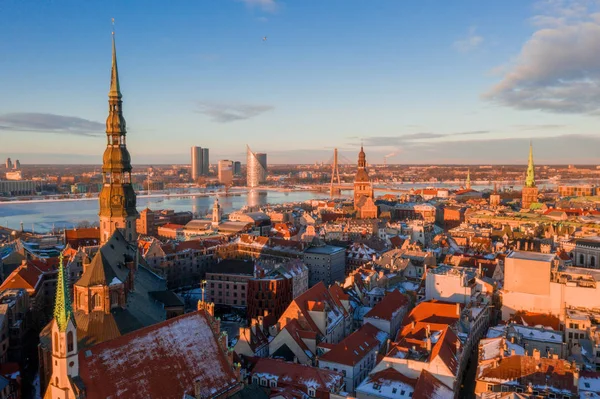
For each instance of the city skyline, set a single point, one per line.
(401, 79)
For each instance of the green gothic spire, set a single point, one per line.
(530, 179)
(62, 307)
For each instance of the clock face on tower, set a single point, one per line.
(117, 200)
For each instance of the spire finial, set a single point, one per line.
(63, 311)
(115, 87)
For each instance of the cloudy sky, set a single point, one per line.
(431, 81)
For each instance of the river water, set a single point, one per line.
(43, 216)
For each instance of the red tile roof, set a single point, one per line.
(161, 361)
(428, 387)
(314, 296)
(389, 306)
(26, 276)
(537, 319)
(557, 373)
(172, 226)
(434, 312)
(356, 346)
(298, 375)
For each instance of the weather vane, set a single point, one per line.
(113, 26)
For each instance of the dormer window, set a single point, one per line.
(263, 382)
(255, 380)
(311, 392)
(272, 383)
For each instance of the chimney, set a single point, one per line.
(428, 331)
(428, 344)
(253, 324)
(576, 377)
(458, 309)
(513, 352)
(536, 354)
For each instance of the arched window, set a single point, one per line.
(70, 341)
(96, 303)
(55, 342)
(593, 261)
(581, 260)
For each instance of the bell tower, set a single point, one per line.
(362, 183)
(117, 197)
(530, 190)
(65, 362)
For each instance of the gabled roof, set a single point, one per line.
(389, 306)
(98, 272)
(537, 319)
(429, 387)
(318, 294)
(161, 361)
(298, 375)
(388, 383)
(27, 276)
(356, 346)
(434, 312)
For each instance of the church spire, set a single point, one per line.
(63, 310)
(530, 179)
(115, 87)
(468, 183)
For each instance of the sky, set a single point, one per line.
(421, 82)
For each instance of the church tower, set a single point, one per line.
(468, 182)
(530, 190)
(65, 363)
(117, 197)
(362, 183)
(216, 214)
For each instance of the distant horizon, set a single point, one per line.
(467, 83)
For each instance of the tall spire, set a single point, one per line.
(62, 306)
(530, 179)
(468, 183)
(115, 88)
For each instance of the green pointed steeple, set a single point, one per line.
(62, 306)
(530, 179)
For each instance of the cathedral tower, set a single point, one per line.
(117, 197)
(65, 363)
(530, 191)
(362, 183)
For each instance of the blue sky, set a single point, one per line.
(429, 81)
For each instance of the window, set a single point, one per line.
(581, 259)
(272, 384)
(96, 303)
(311, 392)
(593, 261)
(490, 387)
(56, 342)
(114, 298)
(255, 380)
(70, 341)
(263, 382)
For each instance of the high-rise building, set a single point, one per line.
(237, 168)
(8, 163)
(117, 197)
(256, 165)
(196, 170)
(529, 194)
(225, 171)
(17, 164)
(205, 162)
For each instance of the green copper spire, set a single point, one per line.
(62, 307)
(530, 179)
(115, 87)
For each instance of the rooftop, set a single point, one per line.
(534, 256)
(324, 250)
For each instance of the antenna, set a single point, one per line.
(113, 26)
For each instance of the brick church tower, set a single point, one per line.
(117, 197)
(530, 191)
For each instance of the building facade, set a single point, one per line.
(326, 264)
(256, 164)
(196, 170)
(225, 172)
(530, 190)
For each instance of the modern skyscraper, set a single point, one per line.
(205, 162)
(117, 197)
(530, 190)
(225, 171)
(237, 168)
(196, 170)
(8, 163)
(17, 164)
(256, 165)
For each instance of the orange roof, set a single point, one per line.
(356, 346)
(27, 276)
(161, 361)
(537, 319)
(557, 373)
(309, 299)
(434, 312)
(391, 303)
(172, 226)
(298, 375)
(85, 233)
(428, 387)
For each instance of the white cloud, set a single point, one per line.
(265, 5)
(231, 112)
(558, 68)
(470, 42)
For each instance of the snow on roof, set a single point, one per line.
(539, 334)
(163, 360)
